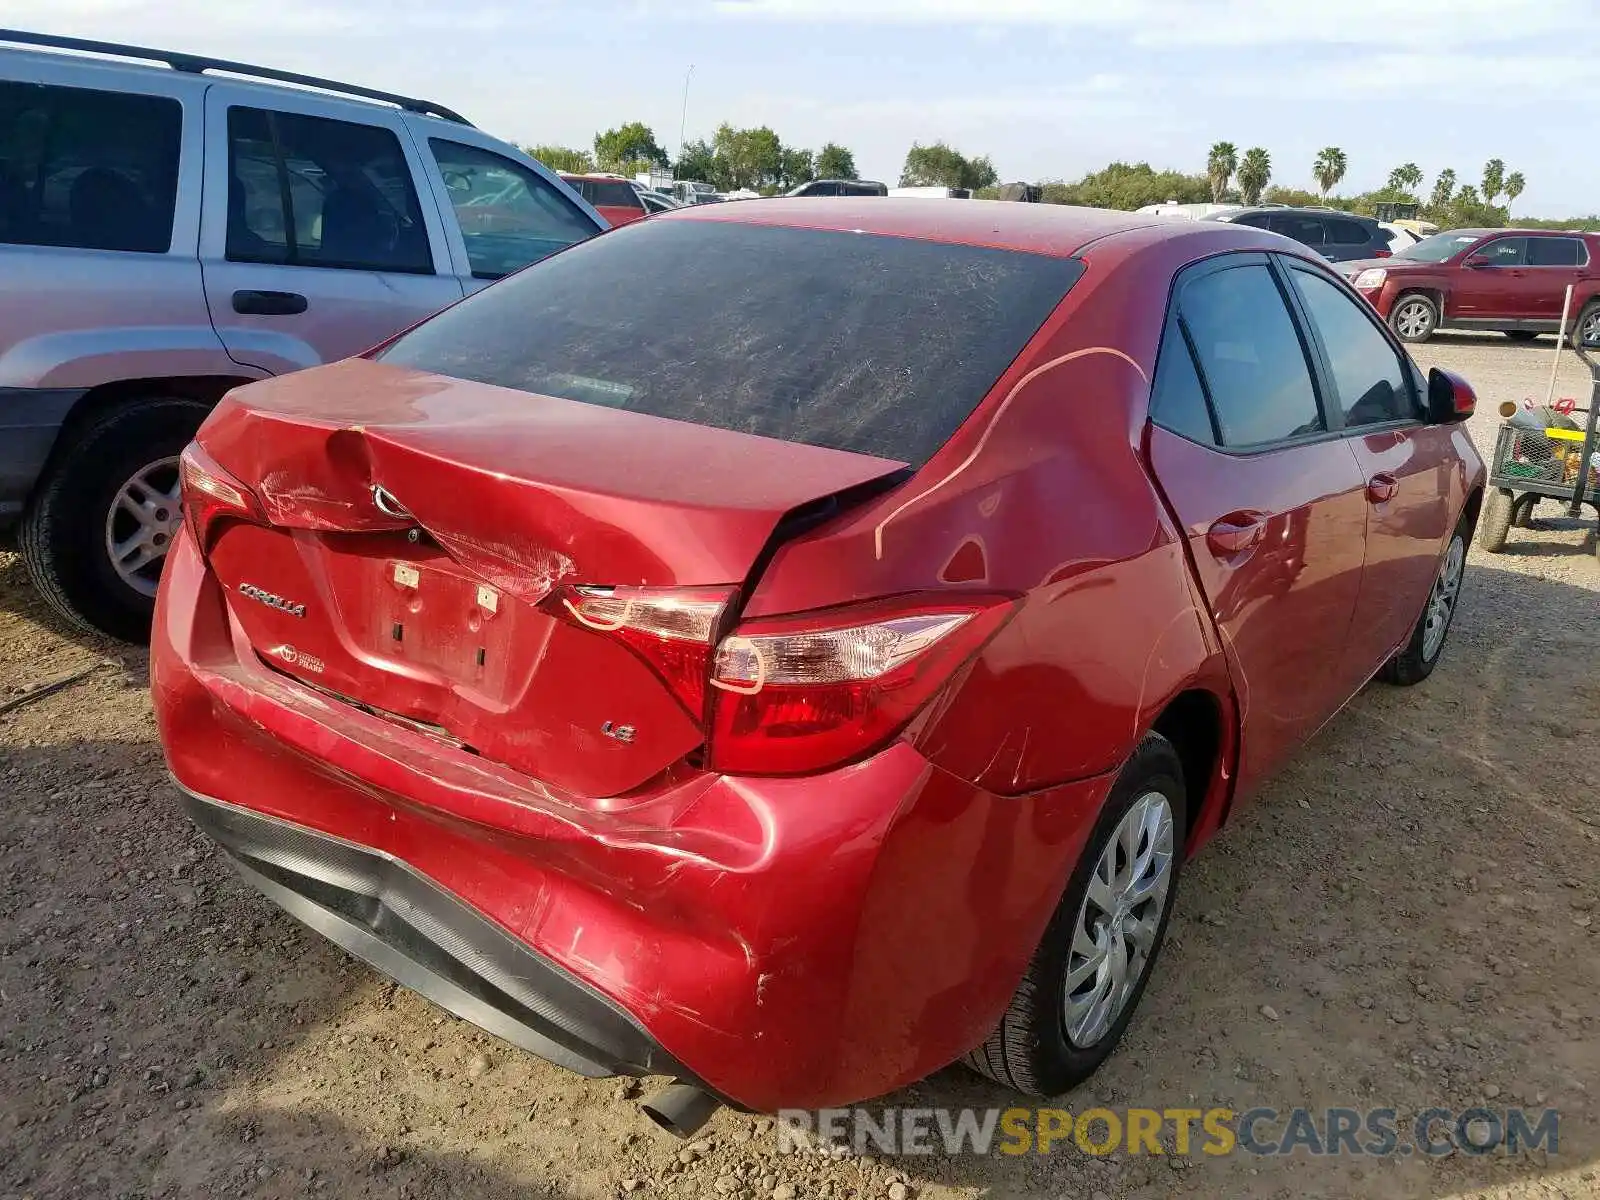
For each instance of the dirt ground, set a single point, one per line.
(1406, 918)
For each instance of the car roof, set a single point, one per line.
(1310, 210)
(181, 72)
(1055, 229)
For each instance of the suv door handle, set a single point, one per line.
(269, 304)
(1382, 487)
(1234, 534)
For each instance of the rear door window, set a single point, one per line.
(1556, 252)
(1252, 360)
(509, 216)
(86, 168)
(1303, 229)
(1347, 233)
(315, 192)
(878, 345)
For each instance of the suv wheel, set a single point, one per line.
(98, 530)
(1586, 332)
(1414, 317)
(1084, 983)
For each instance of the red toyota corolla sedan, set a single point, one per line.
(814, 667)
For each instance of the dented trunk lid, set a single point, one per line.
(423, 523)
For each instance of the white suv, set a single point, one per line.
(167, 233)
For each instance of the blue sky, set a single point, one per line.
(1047, 88)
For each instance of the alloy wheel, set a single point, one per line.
(1589, 330)
(141, 523)
(1414, 319)
(1443, 601)
(1119, 921)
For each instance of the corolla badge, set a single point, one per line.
(271, 600)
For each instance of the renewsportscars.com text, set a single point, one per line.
(1265, 1132)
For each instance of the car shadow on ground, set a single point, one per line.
(1404, 919)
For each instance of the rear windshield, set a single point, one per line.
(613, 193)
(878, 345)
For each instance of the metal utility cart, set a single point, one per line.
(1543, 454)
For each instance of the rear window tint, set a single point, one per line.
(1347, 233)
(613, 193)
(878, 345)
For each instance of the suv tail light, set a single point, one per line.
(672, 629)
(802, 694)
(208, 493)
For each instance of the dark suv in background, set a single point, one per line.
(1337, 236)
(840, 187)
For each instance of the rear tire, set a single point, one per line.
(1422, 653)
(1414, 317)
(81, 511)
(1586, 330)
(1032, 1050)
(1520, 335)
(1494, 525)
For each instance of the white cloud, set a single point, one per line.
(1417, 23)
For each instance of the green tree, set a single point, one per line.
(1220, 166)
(1255, 172)
(797, 167)
(746, 158)
(941, 165)
(1405, 179)
(1444, 187)
(1128, 186)
(1494, 179)
(626, 145)
(1329, 168)
(1514, 186)
(696, 161)
(835, 162)
(562, 158)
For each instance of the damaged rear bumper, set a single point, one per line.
(779, 942)
(409, 928)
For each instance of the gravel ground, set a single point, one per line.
(1406, 918)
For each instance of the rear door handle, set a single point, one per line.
(269, 304)
(1234, 534)
(1382, 487)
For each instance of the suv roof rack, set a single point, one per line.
(196, 64)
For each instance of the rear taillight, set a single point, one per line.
(672, 629)
(209, 494)
(803, 694)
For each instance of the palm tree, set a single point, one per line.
(1513, 188)
(1329, 168)
(1220, 166)
(1255, 172)
(1444, 188)
(1494, 179)
(1405, 179)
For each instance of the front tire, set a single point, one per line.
(97, 532)
(1417, 661)
(1414, 317)
(1085, 980)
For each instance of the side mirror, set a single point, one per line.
(1450, 397)
(1474, 262)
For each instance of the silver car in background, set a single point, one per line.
(168, 233)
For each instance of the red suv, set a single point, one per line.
(615, 198)
(803, 674)
(1512, 280)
